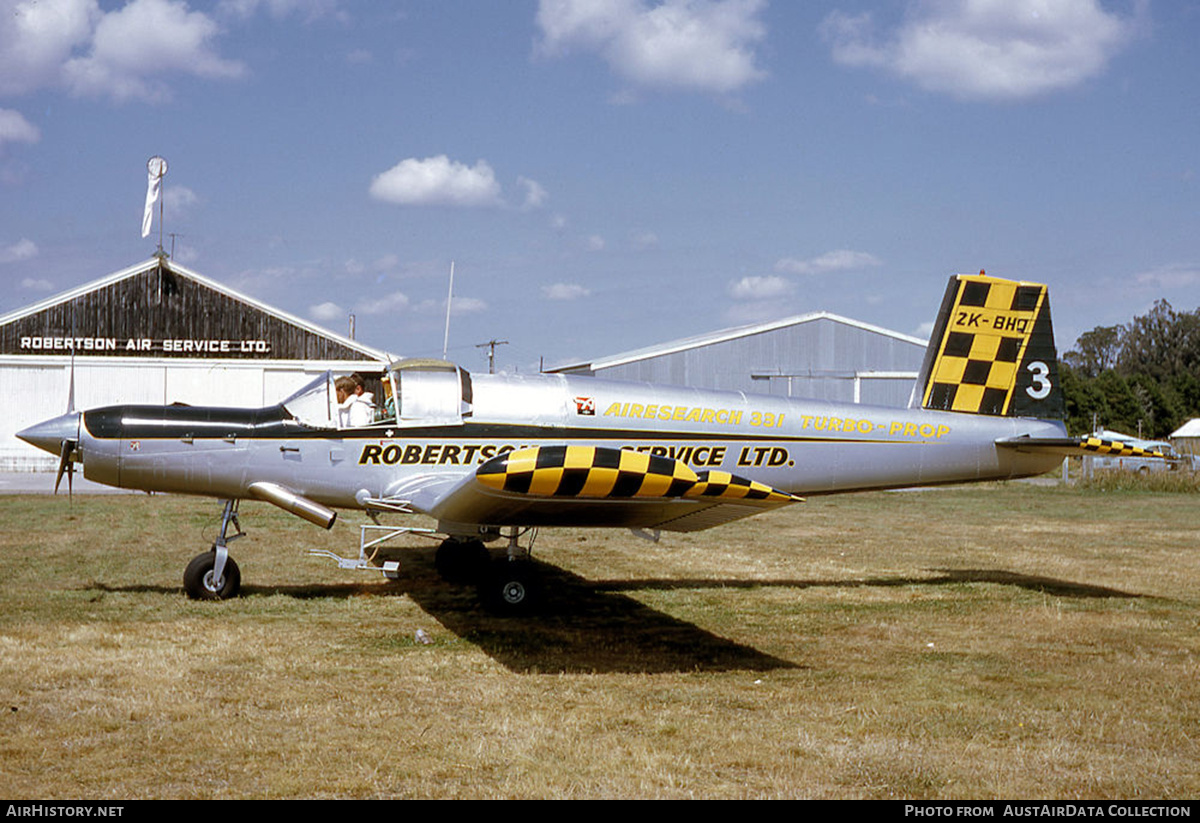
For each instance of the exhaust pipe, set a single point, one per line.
(310, 510)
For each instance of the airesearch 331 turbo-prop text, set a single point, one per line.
(491, 457)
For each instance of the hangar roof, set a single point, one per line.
(1188, 429)
(725, 335)
(193, 316)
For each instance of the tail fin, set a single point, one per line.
(992, 351)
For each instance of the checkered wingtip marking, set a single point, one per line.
(990, 324)
(1099, 445)
(591, 472)
(731, 487)
(586, 471)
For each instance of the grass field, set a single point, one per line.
(998, 641)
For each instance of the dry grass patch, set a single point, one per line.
(1000, 641)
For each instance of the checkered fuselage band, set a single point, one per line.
(985, 341)
(593, 472)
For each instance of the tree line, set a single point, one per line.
(1142, 376)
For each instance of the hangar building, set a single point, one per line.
(819, 355)
(156, 333)
(1187, 440)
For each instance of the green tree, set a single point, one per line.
(1161, 343)
(1085, 402)
(1095, 351)
(1146, 371)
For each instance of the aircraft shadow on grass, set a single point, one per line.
(1047, 585)
(591, 626)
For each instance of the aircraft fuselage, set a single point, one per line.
(805, 447)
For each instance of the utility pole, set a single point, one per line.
(491, 347)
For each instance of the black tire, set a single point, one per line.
(198, 582)
(461, 561)
(512, 588)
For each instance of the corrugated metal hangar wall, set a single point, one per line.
(820, 356)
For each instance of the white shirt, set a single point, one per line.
(359, 410)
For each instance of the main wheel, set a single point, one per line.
(199, 583)
(511, 588)
(461, 561)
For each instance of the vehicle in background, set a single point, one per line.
(1142, 465)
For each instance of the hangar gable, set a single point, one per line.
(160, 309)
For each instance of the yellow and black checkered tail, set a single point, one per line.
(992, 351)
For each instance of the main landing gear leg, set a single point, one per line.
(512, 586)
(214, 575)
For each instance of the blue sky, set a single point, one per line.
(607, 175)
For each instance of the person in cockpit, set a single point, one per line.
(353, 410)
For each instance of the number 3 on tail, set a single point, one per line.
(1041, 380)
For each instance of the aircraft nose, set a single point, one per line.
(49, 434)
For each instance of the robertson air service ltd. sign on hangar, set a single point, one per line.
(156, 333)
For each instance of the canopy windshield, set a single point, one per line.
(315, 404)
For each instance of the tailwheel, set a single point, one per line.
(461, 561)
(202, 582)
(511, 588)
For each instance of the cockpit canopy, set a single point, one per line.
(430, 392)
(415, 392)
(315, 404)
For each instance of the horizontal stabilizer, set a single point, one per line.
(1071, 446)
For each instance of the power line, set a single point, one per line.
(491, 347)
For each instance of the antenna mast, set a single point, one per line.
(449, 297)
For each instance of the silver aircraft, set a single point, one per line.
(492, 457)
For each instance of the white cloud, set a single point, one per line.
(645, 240)
(23, 249)
(277, 9)
(177, 199)
(134, 46)
(594, 243)
(37, 38)
(437, 181)
(36, 284)
(565, 291)
(760, 288)
(700, 45)
(14, 128)
(387, 304)
(535, 195)
(460, 306)
(839, 260)
(326, 312)
(986, 49)
(1172, 276)
(388, 261)
(467, 305)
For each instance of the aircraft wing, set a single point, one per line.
(593, 486)
(1072, 446)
